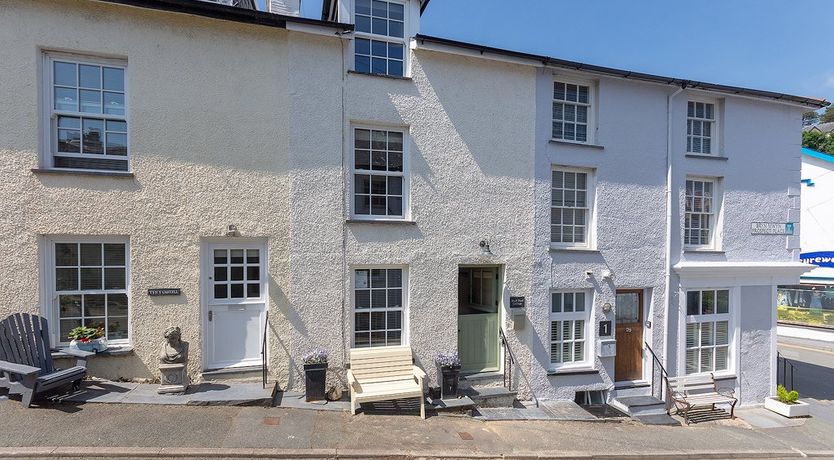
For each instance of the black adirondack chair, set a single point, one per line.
(26, 359)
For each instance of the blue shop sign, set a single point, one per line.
(820, 259)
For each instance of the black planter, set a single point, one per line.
(315, 380)
(449, 382)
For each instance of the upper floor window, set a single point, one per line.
(570, 208)
(569, 318)
(379, 46)
(700, 220)
(571, 112)
(379, 179)
(700, 127)
(708, 331)
(86, 117)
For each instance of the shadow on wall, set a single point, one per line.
(129, 366)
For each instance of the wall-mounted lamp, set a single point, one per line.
(231, 230)
(484, 244)
(589, 274)
(607, 275)
(606, 307)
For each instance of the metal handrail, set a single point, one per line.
(263, 350)
(663, 375)
(785, 364)
(509, 360)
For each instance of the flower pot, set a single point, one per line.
(797, 409)
(315, 379)
(450, 377)
(95, 345)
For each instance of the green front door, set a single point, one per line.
(478, 301)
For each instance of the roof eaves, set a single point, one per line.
(573, 65)
(227, 13)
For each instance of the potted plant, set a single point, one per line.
(449, 364)
(88, 339)
(315, 374)
(787, 403)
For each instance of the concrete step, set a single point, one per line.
(234, 374)
(639, 389)
(490, 396)
(639, 405)
(482, 380)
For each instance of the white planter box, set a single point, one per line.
(799, 409)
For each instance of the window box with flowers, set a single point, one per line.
(88, 339)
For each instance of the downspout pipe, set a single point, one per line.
(669, 226)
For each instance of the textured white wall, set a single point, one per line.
(205, 154)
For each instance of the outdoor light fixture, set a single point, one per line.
(607, 275)
(231, 230)
(589, 274)
(606, 307)
(484, 244)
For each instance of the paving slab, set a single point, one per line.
(566, 410)
(759, 417)
(296, 400)
(100, 392)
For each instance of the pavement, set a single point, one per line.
(150, 431)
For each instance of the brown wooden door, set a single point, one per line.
(628, 365)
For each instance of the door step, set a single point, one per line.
(491, 396)
(482, 380)
(638, 406)
(657, 419)
(236, 374)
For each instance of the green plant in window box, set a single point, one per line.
(88, 338)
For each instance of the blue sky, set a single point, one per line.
(777, 45)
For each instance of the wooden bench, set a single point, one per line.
(383, 374)
(692, 391)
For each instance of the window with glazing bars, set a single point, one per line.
(568, 323)
(569, 209)
(571, 111)
(378, 174)
(379, 46)
(707, 330)
(91, 287)
(378, 307)
(700, 121)
(699, 218)
(88, 114)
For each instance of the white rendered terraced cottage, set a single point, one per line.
(348, 182)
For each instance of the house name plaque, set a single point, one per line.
(164, 291)
(771, 228)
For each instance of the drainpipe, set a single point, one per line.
(669, 217)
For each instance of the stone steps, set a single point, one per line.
(248, 374)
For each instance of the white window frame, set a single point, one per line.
(573, 316)
(406, 200)
(732, 319)
(715, 145)
(591, 104)
(715, 235)
(404, 325)
(49, 309)
(404, 41)
(49, 115)
(590, 199)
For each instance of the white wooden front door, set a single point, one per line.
(235, 309)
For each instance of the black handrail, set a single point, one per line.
(263, 350)
(664, 376)
(509, 360)
(786, 364)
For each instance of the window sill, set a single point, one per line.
(702, 251)
(573, 249)
(113, 350)
(381, 221)
(77, 172)
(579, 370)
(369, 74)
(578, 144)
(707, 157)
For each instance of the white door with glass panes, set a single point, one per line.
(89, 280)
(235, 313)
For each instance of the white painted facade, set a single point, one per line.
(253, 126)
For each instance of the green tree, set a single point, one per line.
(828, 115)
(818, 141)
(810, 118)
